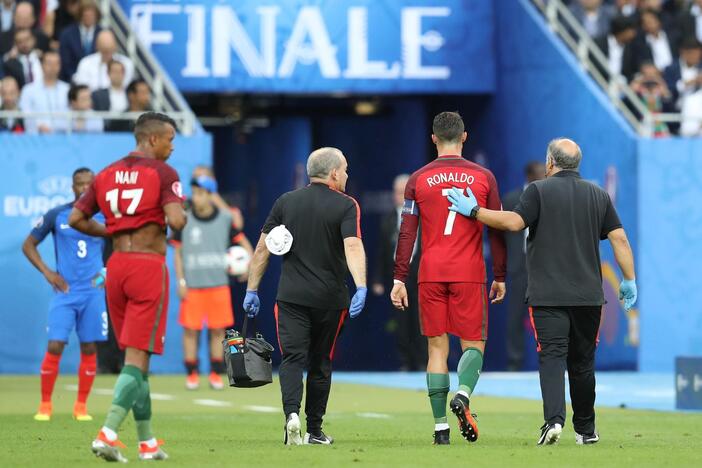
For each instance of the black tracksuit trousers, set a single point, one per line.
(566, 339)
(307, 337)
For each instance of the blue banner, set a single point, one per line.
(38, 177)
(321, 46)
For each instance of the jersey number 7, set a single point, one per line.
(134, 195)
(451, 218)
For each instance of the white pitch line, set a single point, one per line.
(262, 409)
(374, 415)
(110, 392)
(215, 403)
(94, 391)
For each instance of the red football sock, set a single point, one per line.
(49, 372)
(86, 375)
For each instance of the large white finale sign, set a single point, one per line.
(428, 46)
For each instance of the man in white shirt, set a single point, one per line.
(691, 21)
(618, 47)
(113, 98)
(692, 115)
(656, 39)
(7, 11)
(80, 101)
(22, 62)
(92, 69)
(46, 95)
(684, 76)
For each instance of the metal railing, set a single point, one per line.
(562, 22)
(166, 97)
(62, 119)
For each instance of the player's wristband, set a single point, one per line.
(182, 282)
(474, 212)
(397, 281)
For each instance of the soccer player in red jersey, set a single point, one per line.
(452, 280)
(139, 195)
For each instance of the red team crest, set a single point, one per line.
(177, 189)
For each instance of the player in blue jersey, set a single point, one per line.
(79, 301)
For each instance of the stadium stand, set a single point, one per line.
(89, 36)
(645, 54)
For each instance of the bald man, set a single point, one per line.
(313, 299)
(92, 69)
(567, 217)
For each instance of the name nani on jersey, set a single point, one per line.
(445, 177)
(126, 177)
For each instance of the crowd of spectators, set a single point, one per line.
(656, 46)
(55, 57)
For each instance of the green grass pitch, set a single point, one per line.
(371, 426)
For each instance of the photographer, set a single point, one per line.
(651, 88)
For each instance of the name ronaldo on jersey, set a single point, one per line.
(446, 177)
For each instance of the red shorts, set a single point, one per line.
(209, 305)
(459, 309)
(137, 299)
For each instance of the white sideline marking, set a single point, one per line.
(262, 409)
(374, 415)
(215, 403)
(94, 391)
(656, 393)
(109, 392)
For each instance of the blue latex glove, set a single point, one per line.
(251, 304)
(357, 302)
(461, 203)
(627, 291)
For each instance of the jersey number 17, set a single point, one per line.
(113, 196)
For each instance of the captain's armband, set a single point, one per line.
(410, 207)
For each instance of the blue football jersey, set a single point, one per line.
(78, 256)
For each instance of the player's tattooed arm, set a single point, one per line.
(82, 222)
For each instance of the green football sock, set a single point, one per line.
(125, 394)
(469, 369)
(438, 385)
(142, 411)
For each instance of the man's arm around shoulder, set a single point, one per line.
(467, 205)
